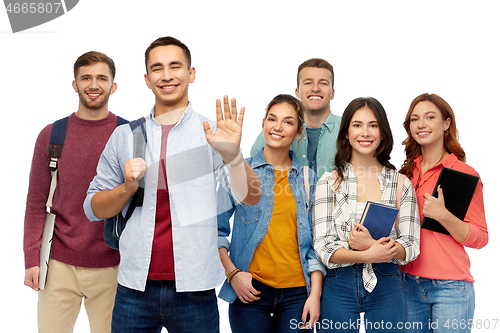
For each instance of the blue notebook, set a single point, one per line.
(379, 219)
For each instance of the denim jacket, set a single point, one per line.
(251, 222)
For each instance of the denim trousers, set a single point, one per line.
(438, 305)
(160, 305)
(344, 298)
(277, 310)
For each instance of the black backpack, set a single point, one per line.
(114, 226)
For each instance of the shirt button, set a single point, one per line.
(157, 132)
(154, 182)
(152, 208)
(149, 234)
(304, 156)
(147, 260)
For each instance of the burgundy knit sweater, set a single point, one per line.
(76, 241)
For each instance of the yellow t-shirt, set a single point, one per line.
(276, 261)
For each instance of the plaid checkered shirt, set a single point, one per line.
(334, 214)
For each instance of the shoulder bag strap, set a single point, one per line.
(336, 185)
(140, 140)
(120, 121)
(57, 136)
(306, 186)
(399, 193)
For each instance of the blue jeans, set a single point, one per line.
(277, 310)
(161, 306)
(344, 298)
(438, 305)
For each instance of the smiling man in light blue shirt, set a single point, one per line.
(318, 144)
(170, 263)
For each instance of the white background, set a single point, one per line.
(391, 50)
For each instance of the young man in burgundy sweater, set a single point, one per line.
(81, 264)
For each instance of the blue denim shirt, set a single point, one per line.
(193, 170)
(251, 222)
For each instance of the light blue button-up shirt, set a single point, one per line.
(327, 145)
(193, 169)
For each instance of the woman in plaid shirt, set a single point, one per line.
(363, 273)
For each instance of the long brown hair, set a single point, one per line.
(344, 149)
(450, 140)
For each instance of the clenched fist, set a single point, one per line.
(135, 169)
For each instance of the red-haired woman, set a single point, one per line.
(438, 285)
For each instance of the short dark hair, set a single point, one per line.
(165, 41)
(344, 149)
(92, 57)
(317, 63)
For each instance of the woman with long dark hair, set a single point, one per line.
(363, 273)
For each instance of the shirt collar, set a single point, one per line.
(259, 160)
(329, 123)
(382, 178)
(448, 162)
(186, 114)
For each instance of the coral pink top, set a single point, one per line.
(441, 256)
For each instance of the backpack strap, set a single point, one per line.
(399, 193)
(306, 186)
(57, 136)
(136, 123)
(141, 140)
(399, 190)
(336, 185)
(120, 121)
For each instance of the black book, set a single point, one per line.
(458, 188)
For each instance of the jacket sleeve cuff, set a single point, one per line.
(314, 265)
(223, 242)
